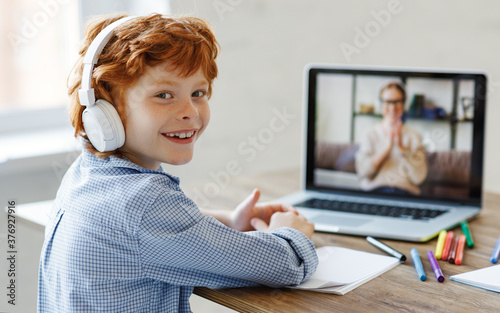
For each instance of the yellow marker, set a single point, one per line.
(440, 244)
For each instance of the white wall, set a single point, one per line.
(265, 45)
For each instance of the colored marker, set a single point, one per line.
(435, 267)
(418, 264)
(386, 248)
(447, 246)
(460, 250)
(496, 252)
(440, 244)
(453, 250)
(467, 233)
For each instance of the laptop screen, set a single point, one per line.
(396, 133)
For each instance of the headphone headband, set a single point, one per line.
(86, 93)
(101, 121)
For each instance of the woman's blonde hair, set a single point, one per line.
(187, 43)
(395, 85)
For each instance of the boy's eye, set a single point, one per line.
(164, 95)
(198, 93)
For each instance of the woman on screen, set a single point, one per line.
(391, 157)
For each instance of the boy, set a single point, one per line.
(123, 236)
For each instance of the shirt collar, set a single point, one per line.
(92, 160)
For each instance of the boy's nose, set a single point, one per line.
(187, 110)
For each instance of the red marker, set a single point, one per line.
(453, 250)
(460, 250)
(447, 246)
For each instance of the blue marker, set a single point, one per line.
(496, 252)
(418, 264)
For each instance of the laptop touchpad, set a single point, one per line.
(326, 219)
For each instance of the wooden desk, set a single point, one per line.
(395, 291)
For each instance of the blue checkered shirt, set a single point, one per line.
(123, 238)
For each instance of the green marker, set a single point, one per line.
(467, 233)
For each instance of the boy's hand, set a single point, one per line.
(249, 210)
(285, 219)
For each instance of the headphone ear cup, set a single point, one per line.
(103, 126)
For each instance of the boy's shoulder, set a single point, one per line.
(118, 187)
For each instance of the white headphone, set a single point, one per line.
(101, 121)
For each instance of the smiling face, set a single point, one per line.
(392, 104)
(164, 116)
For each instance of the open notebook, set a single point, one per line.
(340, 270)
(487, 278)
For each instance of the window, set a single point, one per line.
(38, 52)
(39, 46)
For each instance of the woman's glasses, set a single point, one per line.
(392, 102)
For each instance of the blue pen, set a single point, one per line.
(418, 264)
(496, 252)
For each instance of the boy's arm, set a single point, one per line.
(179, 245)
(222, 216)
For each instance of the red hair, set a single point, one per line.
(188, 43)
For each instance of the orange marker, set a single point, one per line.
(460, 250)
(453, 250)
(447, 246)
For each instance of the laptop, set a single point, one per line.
(446, 111)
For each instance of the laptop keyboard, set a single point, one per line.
(372, 209)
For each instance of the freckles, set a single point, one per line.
(132, 103)
(207, 116)
(204, 112)
(136, 96)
